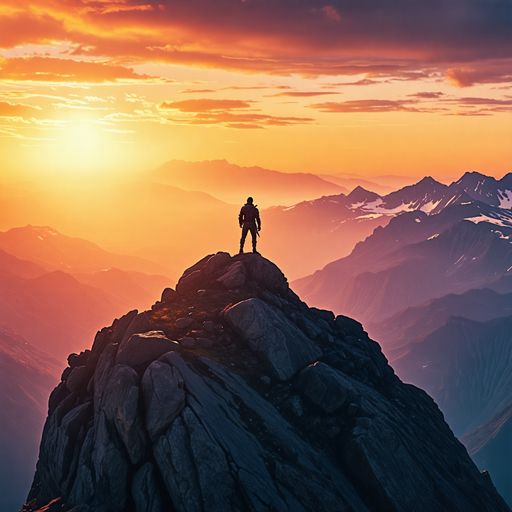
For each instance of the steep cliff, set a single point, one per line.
(232, 394)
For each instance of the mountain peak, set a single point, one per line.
(360, 194)
(282, 399)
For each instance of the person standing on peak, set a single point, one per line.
(249, 220)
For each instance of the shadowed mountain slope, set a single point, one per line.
(398, 333)
(465, 366)
(232, 394)
(490, 446)
(27, 376)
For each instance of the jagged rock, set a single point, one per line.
(164, 397)
(219, 260)
(325, 387)
(120, 404)
(234, 276)
(273, 337)
(169, 295)
(145, 491)
(141, 349)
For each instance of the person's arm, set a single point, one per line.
(240, 217)
(258, 221)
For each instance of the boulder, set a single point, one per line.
(273, 337)
(217, 261)
(142, 349)
(234, 276)
(188, 343)
(183, 323)
(164, 397)
(265, 272)
(204, 342)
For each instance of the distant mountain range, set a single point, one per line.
(58, 311)
(233, 184)
(398, 334)
(449, 243)
(27, 375)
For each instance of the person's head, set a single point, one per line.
(249, 200)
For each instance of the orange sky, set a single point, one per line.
(105, 87)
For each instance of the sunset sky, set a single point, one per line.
(370, 87)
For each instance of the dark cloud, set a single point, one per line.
(379, 38)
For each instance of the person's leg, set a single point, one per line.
(245, 228)
(254, 240)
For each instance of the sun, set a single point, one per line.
(82, 137)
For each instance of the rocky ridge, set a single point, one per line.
(232, 394)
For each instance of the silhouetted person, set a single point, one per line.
(248, 218)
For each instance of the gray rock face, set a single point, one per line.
(164, 397)
(145, 491)
(120, 404)
(325, 387)
(141, 349)
(144, 428)
(272, 336)
(110, 466)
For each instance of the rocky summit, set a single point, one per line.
(231, 394)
